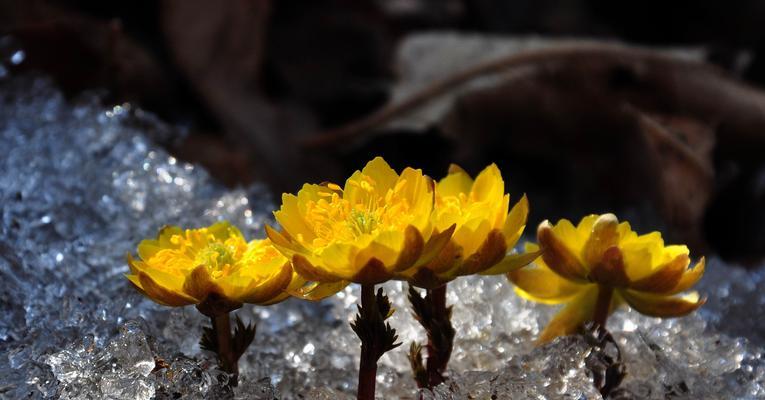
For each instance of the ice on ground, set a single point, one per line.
(81, 185)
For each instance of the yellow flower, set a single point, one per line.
(213, 267)
(601, 264)
(484, 229)
(374, 229)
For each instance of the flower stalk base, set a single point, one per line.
(602, 306)
(229, 348)
(433, 314)
(377, 337)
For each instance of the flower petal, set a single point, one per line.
(571, 317)
(414, 244)
(448, 258)
(665, 278)
(309, 271)
(458, 181)
(643, 254)
(372, 273)
(269, 288)
(296, 282)
(199, 284)
(491, 252)
(381, 172)
(171, 280)
(375, 180)
(435, 244)
(690, 277)
(418, 192)
(557, 255)
(604, 235)
(386, 247)
(291, 218)
(165, 235)
(472, 234)
(662, 306)
(339, 260)
(163, 295)
(488, 185)
(318, 291)
(583, 228)
(516, 222)
(610, 270)
(149, 247)
(223, 230)
(512, 262)
(538, 283)
(283, 242)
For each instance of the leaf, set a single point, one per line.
(243, 337)
(418, 368)
(209, 340)
(371, 328)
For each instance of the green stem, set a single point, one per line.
(602, 305)
(369, 355)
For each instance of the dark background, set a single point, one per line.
(255, 83)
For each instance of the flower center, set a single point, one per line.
(217, 257)
(335, 219)
(361, 222)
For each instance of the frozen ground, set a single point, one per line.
(80, 185)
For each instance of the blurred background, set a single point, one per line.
(652, 109)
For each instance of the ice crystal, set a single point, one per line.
(81, 184)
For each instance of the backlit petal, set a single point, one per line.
(163, 295)
(436, 246)
(538, 283)
(488, 185)
(662, 306)
(604, 234)
(570, 319)
(318, 291)
(418, 192)
(386, 247)
(690, 277)
(383, 175)
(643, 254)
(665, 278)
(268, 289)
(516, 222)
(411, 251)
(199, 284)
(223, 230)
(491, 252)
(556, 253)
(458, 181)
(512, 262)
(610, 270)
(309, 271)
(291, 218)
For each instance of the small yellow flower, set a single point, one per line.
(374, 229)
(213, 267)
(601, 264)
(484, 229)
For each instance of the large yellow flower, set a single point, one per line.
(484, 229)
(213, 267)
(601, 264)
(374, 229)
